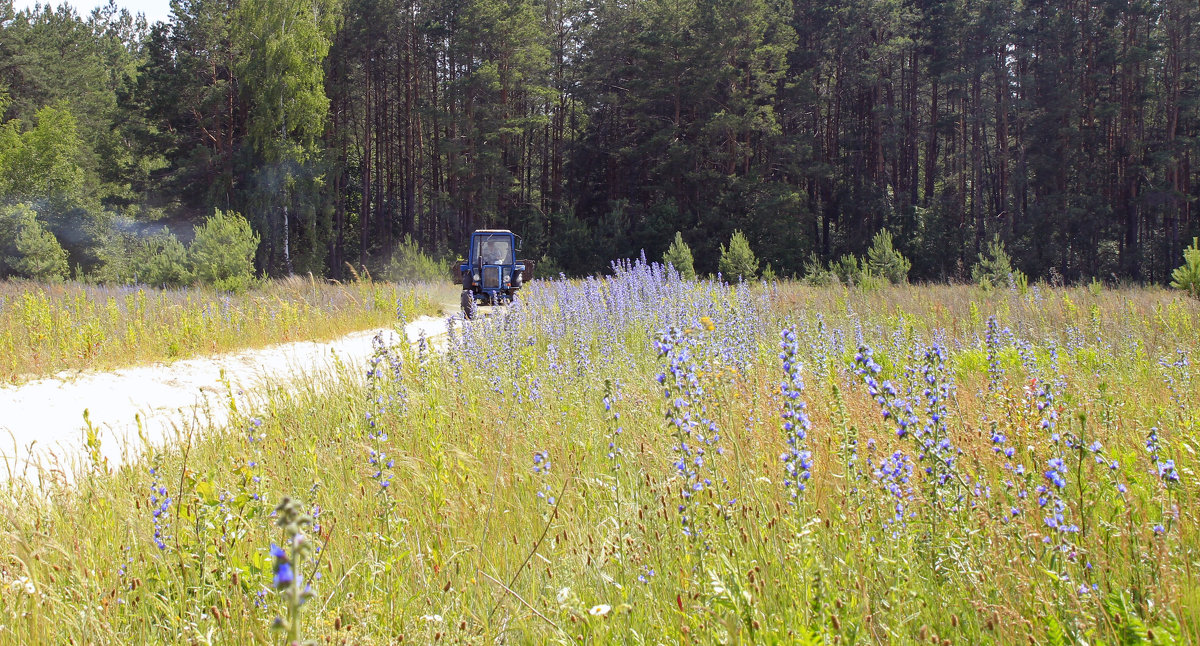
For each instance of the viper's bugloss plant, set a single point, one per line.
(287, 580)
(160, 508)
(695, 436)
(796, 457)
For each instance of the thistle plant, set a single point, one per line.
(287, 580)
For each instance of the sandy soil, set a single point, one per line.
(42, 428)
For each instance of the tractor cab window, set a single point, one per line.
(494, 250)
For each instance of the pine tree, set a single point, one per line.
(885, 261)
(679, 256)
(738, 261)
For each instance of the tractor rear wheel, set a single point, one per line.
(468, 304)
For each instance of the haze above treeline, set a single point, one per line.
(596, 129)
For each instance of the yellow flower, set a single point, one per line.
(708, 323)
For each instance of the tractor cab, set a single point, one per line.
(491, 274)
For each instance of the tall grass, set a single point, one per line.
(45, 328)
(643, 459)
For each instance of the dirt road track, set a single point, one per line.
(42, 423)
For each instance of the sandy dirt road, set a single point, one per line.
(42, 428)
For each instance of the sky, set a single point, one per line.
(155, 10)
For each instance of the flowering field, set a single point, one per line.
(650, 460)
(46, 328)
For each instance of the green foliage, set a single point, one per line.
(1132, 629)
(847, 269)
(869, 281)
(27, 249)
(548, 267)
(158, 259)
(679, 256)
(738, 261)
(222, 252)
(770, 566)
(45, 329)
(994, 268)
(165, 261)
(43, 161)
(283, 44)
(1187, 277)
(885, 261)
(410, 264)
(816, 273)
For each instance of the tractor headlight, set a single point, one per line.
(520, 278)
(475, 277)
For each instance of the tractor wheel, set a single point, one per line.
(468, 304)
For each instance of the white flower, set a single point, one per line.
(435, 619)
(24, 583)
(563, 595)
(600, 610)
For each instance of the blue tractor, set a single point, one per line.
(491, 273)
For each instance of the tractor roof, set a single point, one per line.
(478, 231)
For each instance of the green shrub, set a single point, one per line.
(41, 161)
(163, 261)
(994, 267)
(159, 259)
(27, 249)
(869, 281)
(222, 253)
(816, 273)
(884, 261)
(410, 264)
(547, 268)
(1187, 277)
(738, 261)
(679, 256)
(847, 269)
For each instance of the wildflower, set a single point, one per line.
(615, 452)
(283, 575)
(599, 610)
(647, 574)
(992, 341)
(796, 458)
(287, 581)
(541, 466)
(160, 504)
(686, 416)
(541, 462)
(1165, 468)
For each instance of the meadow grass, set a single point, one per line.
(640, 459)
(45, 329)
